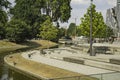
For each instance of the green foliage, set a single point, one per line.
(2, 31)
(48, 31)
(34, 12)
(17, 31)
(29, 11)
(3, 21)
(78, 31)
(109, 32)
(58, 9)
(71, 30)
(98, 25)
(3, 17)
(4, 4)
(62, 32)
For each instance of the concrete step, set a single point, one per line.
(74, 60)
(115, 61)
(94, 63)
(103, 65)
(100, 59)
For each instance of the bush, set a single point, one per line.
(17, 31)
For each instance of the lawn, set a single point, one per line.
(6, 46)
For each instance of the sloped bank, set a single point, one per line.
(36, 70)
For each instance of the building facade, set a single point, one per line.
(113, 19)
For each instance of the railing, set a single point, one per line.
(104, 76)
(108, 76)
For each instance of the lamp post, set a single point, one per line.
(91, 42)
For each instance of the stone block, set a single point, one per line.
(73, 60)
(115, 61)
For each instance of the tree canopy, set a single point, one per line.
(4, 4)
(71, 30)
(34, 12)
(98, 25)
(48, 31)
(17, 31)
(62, 32)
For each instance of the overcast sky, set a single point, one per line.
(79, 8)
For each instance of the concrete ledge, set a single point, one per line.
(103, 65)
(77, 48)
(115, 61)
(94, 63)
(74, 60)
(24, 72)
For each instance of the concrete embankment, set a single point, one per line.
(36, 70)
(18, 69)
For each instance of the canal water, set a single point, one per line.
(7, 74)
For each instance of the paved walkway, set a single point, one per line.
(68, 52)
(87, 70)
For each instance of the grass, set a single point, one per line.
(6, 46)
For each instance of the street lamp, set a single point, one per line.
(91, 42)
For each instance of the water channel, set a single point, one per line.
(6, 73)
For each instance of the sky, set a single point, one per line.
(79, 8)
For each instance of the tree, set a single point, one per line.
(17, 31)
(78, 31)
(58, 9)
(48, 31)
(109, 32)
(4, 4)
(98, 25)
(34, 12)
(71, 30)
(62, 32)
(29, 11)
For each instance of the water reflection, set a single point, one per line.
(6, 74)
(12, 75)
(3, 68)
(18, 76)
